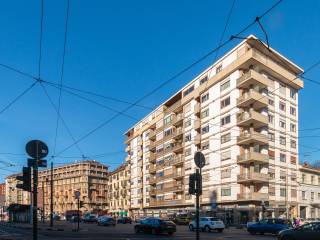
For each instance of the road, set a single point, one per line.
(122, 232)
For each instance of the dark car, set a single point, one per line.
(309, 231)
(272, 225)
(106, 221)
(181, 220)
(75, 219)
(155, 226)
(124, 220)
(90, 219)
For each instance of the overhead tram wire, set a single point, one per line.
(171, 78)
(61, 118)
(61, 76)
(40, 40)
(18, 97)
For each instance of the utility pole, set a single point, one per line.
(51, 196)
(35, 200)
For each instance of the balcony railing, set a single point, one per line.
(128, 148)
(252, 156)
(252, 78)
(178, 119)
(253, 177)
(158, 203)
(252, 118)
(252, 98)
(176, 107)
(252, 136)
(178, 147)
(253, 196)
(178, 160)
(152, 168)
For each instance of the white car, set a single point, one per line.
(207, 224)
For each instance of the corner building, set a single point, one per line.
(242, 113)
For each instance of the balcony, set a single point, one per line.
(197, 124)
(152, 180)
(252, 137)
(164, 177)
(197, 139)
(152, 157)
(178, 133)
(253, 177)
(178, 175)
(197, 108)
(152, 135)
(252, 98)
(128, 148)
(152, 146)
(178, 188)
(178, 147)
(252, 118)
(252, 156)
(153, 192)
(252, 78)
(176, 107)
(253, 196)
(178, 160)
(152, 169)
(178, 120)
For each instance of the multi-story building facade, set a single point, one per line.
(119, 191)
(309, 192)
(89, 177)
(242, 113)
(14, 195)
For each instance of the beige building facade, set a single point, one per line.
(242, 113)
(119, 191)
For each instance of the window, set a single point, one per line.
(282, 106)
(225, 102)
(189, 90)
(187, 108)
(271, 118)
(292, 127)
(187, 152)
(225, 120)
(225, 191)
(303, 178)
(292, 93)
(271, 137)
(293, 144)
(271, 173)
(271, 154)
(312, 196)
(168, 120)
(226, 138)
(188, 137)
(283, 157)
(226, 155)
(203, 80)
(283, 192)
(312, 179)
(205, 129)
(283, 176)
(272, 191)
(224, 85)
(293, 111)
(293, 177)
(168, 132)
(293, 193)
(205, 146)
(282, 123)
(205, 113)
(219, 69)
(293, 160)
(226, 173)
(282, 140)
(303, 195)
(205, 97)
(187, 123)
(271, 102)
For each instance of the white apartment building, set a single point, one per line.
(242, 113)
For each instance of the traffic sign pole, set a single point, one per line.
(35, 201)
(197, 205)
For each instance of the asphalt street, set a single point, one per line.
(122, 232)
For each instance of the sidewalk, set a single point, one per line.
(57, 226)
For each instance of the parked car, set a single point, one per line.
(181, 220)
(139, 219)
(90, 218)
(272, 225)
(207, 224)
(75, 219)
(155, 226)
(124, 220)
(310, 220)
(309, 231)
(55, 217)
(106, 221)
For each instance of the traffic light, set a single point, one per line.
(192, 183)
(81, 204)
(199, 183)
(25, 179)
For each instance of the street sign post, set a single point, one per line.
(77, 196)
(37, 150)
(195, 185)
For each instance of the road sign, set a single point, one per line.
(41, 162)
(77, 194)
(37, 149)
(199, 159)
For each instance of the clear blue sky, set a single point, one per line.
(124, 49)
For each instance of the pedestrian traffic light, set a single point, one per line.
(25, 179)
(81, 204)
(192, 184)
